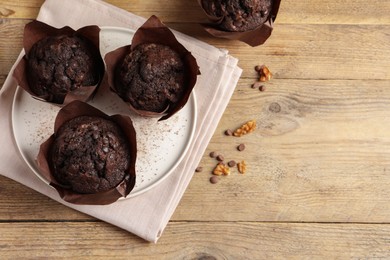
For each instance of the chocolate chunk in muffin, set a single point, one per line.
(239, 15)
(60, 64)
(151, 77)
(90, 154)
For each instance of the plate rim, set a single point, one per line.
(192, 120)
(19, 91)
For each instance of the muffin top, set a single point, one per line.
(90, 154)
(60, 64)
(151, 77)
(239, 15)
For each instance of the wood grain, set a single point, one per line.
(291, 11)
(322, 155)
(319, 52)
(184, 240)
(20, 203)
(312, 51)
(297, 170)
(11, 43)
(318, 164)
(2, 80)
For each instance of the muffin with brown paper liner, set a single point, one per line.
(60, 64)
(248, 21)
(154, 75)
(90, 158)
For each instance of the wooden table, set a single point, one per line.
(318, 178)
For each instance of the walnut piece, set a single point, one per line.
(221, 169)
(241, 166)
(246, 128)
(265, 74)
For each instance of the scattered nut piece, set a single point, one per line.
(231, 163)
(265, 70)
(213, 154)
(265, 74)
(199, 169)
(221, 169)
(214, 179)
(246, 128)
(241, 166)
(241, 147)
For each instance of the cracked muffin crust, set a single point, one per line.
(90, 154)
(60, 64)
(151, 77)
(239, 15)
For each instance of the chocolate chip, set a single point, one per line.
(213, 154)
(199, 169)
(257, 84)
(258, 68)
(241, 147)
(229, 132)
(262, 88)
(220, 158)
(214, 179)
(231, 163)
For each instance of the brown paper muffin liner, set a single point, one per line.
(154, 31)
(255, 37)
(73, 110)
(35, 31)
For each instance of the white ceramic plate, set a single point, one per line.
(161, 145)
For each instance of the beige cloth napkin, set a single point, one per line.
(147, 214)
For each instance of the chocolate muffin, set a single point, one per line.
(151, 77)
(89, 154)
(57, 65)
(239, 15)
